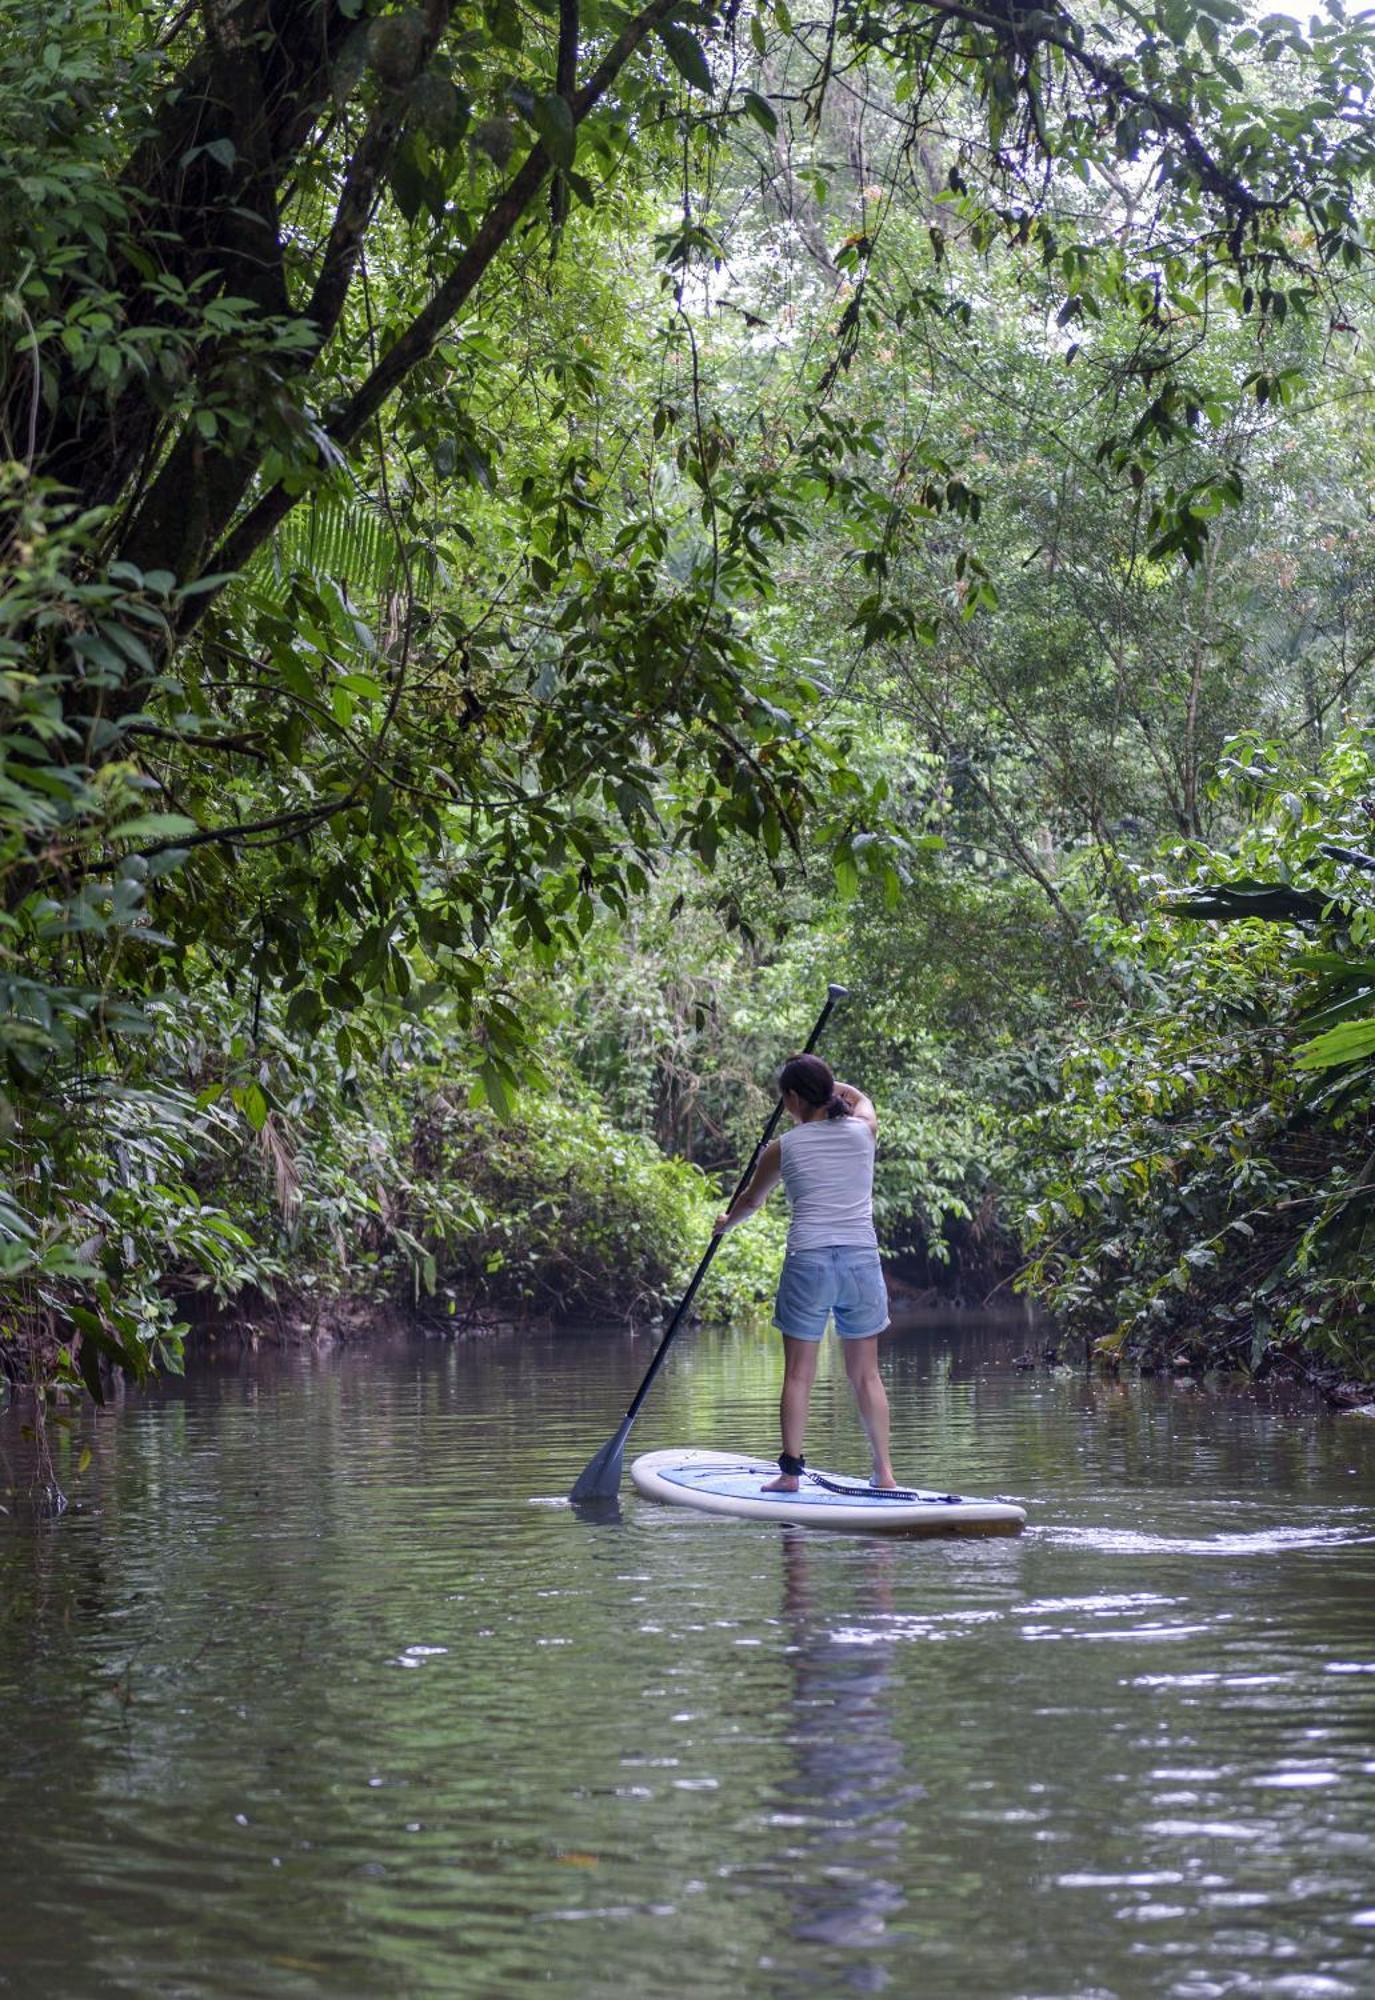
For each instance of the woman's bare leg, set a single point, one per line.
(861, 1365)
(799, 1373)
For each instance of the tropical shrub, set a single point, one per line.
(1203, 1181)
(581, 1220)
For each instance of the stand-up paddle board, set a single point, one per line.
(728, 1482)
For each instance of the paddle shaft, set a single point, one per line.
(835, 993)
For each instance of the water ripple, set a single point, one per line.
(327, 1691)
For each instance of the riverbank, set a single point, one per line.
(1290, 1377)
(311, 1320)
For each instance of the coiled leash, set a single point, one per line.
(796, 1468)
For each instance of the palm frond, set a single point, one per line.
(352, 541)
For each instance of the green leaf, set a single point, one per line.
(254, 1105)
(88, 1362)
(553, 120)
(495, 1089)
(762, 112)
(1350, 1042)
(687, 56)
(153, 826)
(305, 1011)
(230, 1231)
(409, 182)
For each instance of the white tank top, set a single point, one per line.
(828, 1171)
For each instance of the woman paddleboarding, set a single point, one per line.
(831, 1267)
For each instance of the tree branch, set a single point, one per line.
(1168, 117)
(420, 337)
(565, 83)
(358, 196)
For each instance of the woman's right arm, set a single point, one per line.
(763, 1181)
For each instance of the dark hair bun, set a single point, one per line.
(814, 1082)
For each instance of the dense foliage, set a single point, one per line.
(534, 537)
(1215, 1179)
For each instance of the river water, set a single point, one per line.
(320, 1689)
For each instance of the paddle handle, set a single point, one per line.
(833, 994)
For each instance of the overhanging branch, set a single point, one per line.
(424, 331)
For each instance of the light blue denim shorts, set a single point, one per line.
(844, 1279)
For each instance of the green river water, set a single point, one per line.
(319, 1688)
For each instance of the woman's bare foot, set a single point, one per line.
(883, 1480)
(786, 1482)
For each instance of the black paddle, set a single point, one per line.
(600, 1478)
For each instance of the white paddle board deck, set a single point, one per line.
(728, 1482)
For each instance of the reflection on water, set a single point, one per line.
(308, 1698)
(851, 1789)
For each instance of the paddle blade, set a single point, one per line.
(600, 1478)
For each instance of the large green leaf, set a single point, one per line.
(1229, 902)
(687, 56)
(1352, 1041)
(553, 120)
(762, 112)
